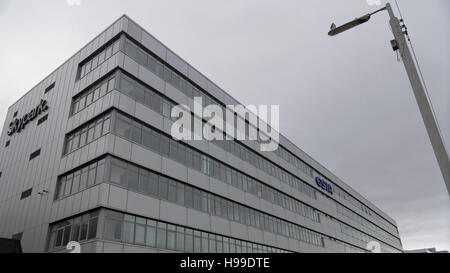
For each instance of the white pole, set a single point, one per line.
(421, 98)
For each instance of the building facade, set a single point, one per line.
(87, 156)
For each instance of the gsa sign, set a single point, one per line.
(324, 185)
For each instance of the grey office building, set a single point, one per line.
(87, 155)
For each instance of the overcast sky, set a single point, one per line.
(346, 101)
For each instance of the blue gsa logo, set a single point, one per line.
(324, 185)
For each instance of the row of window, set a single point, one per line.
(130, 229)
(164, 72)
(357, 204)
(99, 58)
(141, 93)
(133, 51)
(147, 232)
(138, 54)
(147, 182)
(92, 94)
(80, 179)
(163, 106)
(178, 151)
(356, 234)
(87, 133)
(349, 248)
(182, 153)
(159, 104)
(167, 74)
(141, 180)
(145, 95)
(77, 229)
(139, 133)
(362, 221)
(150, 183)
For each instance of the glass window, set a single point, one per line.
(173, 149)
(150, 238)
(66, 236)
(136, 132)
(101, 57)
(84, 176)
(103, 89)
(128, 232)
(188, 240)
(113, 229)
(151, 63)
(92, 233)
(68, 185)
(139, 93)
(172, 191)
(166, 109)
(146, 137)
(88, 67)
(197, 242)
(180, 239)
(83, 71)
(155, 141)
(170, 236)
(90, 133)
(164, 145)
(118, 172)
(100, 172)
(108, 52)
(91, 177)
(130, 49)
(111, 84)
(106, 124)
(140, 234)
(141, 57)
(161, 235)
(188, 196)
(122, 127)
(84, 227)
(133, 178)
(162, 186)
(75, 142)
(153, 179)
(76, 182)
(180, 193)
(98, 129)
(144, 184)
(205, 242)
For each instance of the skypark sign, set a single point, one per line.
(19, 124)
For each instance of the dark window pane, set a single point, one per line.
(113, 229)
(128, 232)
(144, 183)
(130, 49)
(150, 239)
(140, 235)
(92, 228)
(162, 186)
(122, 127)
(136, 132)
(66, 237)
(100, 173)
(84, 177)
(118, 173)
(133, 178)
(161, 235)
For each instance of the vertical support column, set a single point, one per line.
(421, 98)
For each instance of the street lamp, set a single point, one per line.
(399, 43)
